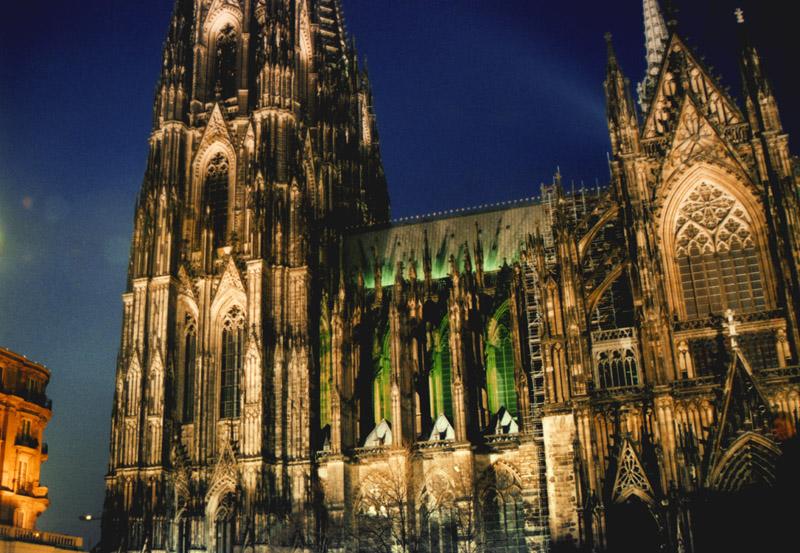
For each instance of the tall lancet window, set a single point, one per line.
(440, 375)
(189, 362)
(382, 381)
(231, 365)
(225, 70)
(500, 363)
(717, 255)
(216, 197)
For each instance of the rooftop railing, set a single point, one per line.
(12, 533)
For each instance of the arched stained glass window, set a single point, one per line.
(225, 74)
(325, 373)
(441, 532)
(232, 362)
(717, 255)
(215, 197)
(440, 375)
(189, 362)
(382, 383)
(504, 520)
(500, 385)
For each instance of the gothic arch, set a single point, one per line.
(232, 321)
(749, 460)
(437, 488)
(502, 508)
(440, 376)
(222, 13)
(208, 156)
(501, 367)
(738, 192)
(438, 513)
(230, 293)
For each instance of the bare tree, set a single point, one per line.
(384, 514)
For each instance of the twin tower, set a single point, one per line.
(582, 371)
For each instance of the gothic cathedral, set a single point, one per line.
(591, 371)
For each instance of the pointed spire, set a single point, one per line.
(761, 104)
(656, 35)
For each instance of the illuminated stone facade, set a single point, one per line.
(24, 413)
(297, 374)
(25, 410)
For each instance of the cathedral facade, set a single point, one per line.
(591, 371)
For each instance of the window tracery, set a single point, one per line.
(216, 197)
(225, 70)
(617, 368)
(233, 328)
(504, 519)
(501, 389)
(440, 375)
(382, 386)
(717, 254)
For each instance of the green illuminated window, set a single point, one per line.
(382, 386)
(500, 363)
(439, 379)
(325, 374)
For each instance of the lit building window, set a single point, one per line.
(617, 369)
(216, 197)
(504, 520)
(382, 383)
(439, 379)
(717, 255)
(232, 362)
(500, 385)
(225, 70)
(325, 374)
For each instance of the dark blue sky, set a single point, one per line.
(477, 102)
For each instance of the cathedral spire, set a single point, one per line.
(655, 38)
(760, 101)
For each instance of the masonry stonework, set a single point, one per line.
(598, 370)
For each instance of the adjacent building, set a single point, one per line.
(600, 370)
(25, 411)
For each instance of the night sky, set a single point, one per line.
(477, 102)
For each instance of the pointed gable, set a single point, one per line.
(231, 278)
(631, 478)
(185, 284)
(681, 75)
(694, 138)
(226, 474)
(230, 289)
(745, 407)
(216, 128)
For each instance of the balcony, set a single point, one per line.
(12, 533)
(26, 441)
(37, 398)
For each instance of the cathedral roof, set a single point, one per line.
(501, 228)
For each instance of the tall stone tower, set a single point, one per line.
(263, 146)
(604, 370)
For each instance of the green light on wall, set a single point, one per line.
(500, 362)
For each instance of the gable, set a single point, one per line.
(696, 138)
(682, 75)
